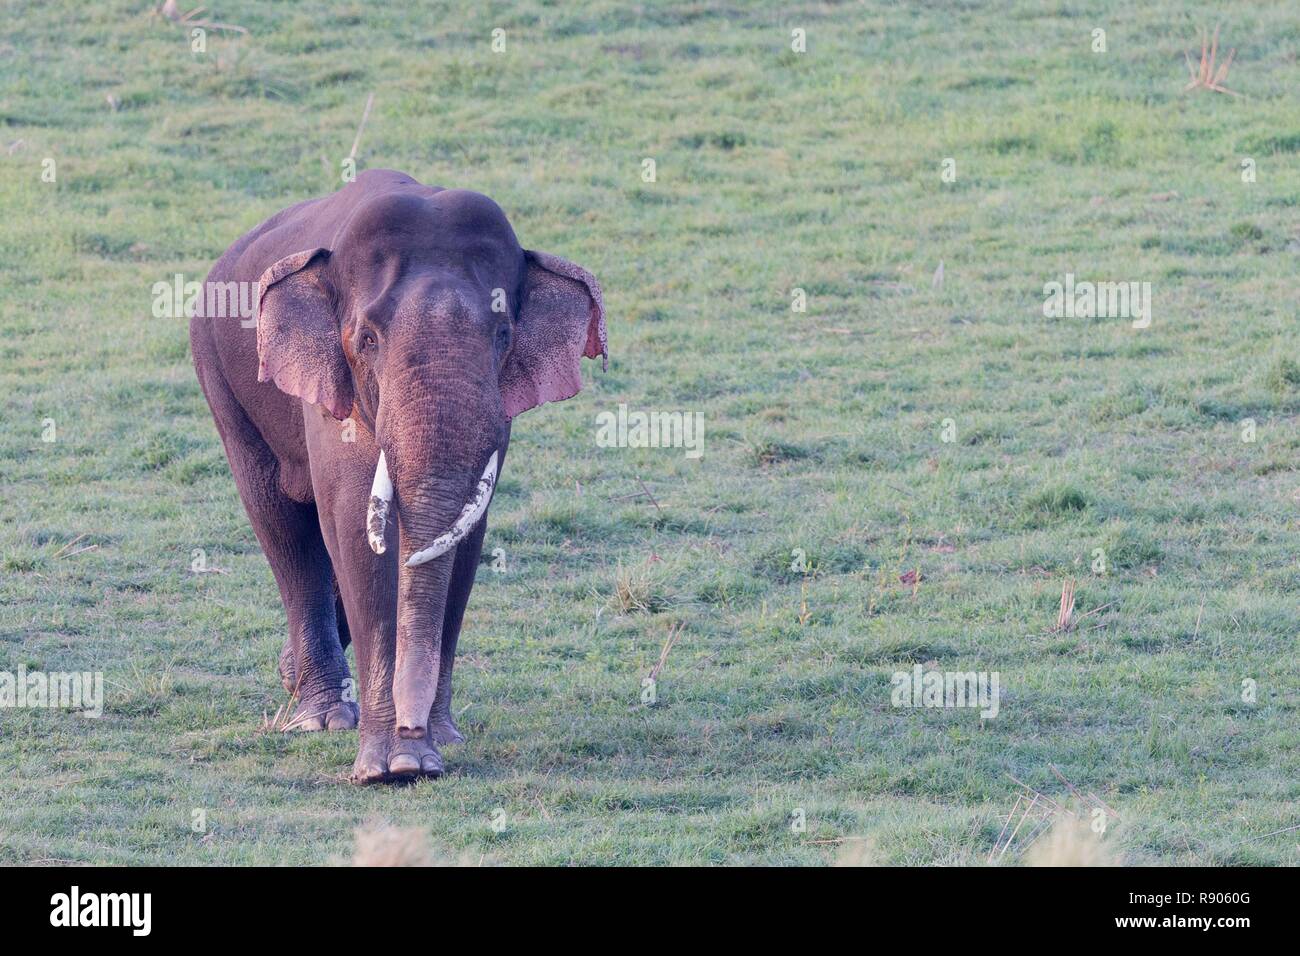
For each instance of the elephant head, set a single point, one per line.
(427, 322)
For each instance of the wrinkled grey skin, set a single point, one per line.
(397, 316)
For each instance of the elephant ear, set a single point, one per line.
(298, 342)
(561, 320)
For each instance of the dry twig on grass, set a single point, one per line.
(65, 552)
(281, 723)
(674, 632)
(365, 115)
(653, 501)
(643, 493)
(1043, 813)
(1205, 76)
(1065, 616)
(1272, 834)
(172, 12)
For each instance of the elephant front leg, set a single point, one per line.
(324, 689)
(312, 666)
(442, 723)
(287, 654)
(368, 589)
(382, 754)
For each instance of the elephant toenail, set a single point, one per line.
(403, 764)
(368, 773)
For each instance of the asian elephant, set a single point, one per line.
(365, 410)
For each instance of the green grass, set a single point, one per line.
(824, 429)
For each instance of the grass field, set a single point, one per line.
(825, 429)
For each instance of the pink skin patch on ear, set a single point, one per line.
(561, 321)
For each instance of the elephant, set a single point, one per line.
(365, 410)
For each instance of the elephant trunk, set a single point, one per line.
(426, 507)
(434, 514)
(440, 430)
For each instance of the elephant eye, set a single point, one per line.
(368, 343)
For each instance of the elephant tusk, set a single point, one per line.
(381, 498)
(470, 516)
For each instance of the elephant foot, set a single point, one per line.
(443, 730)
(385, 757)
(309, 717)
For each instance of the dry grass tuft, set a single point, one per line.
(1065, 616)
(1071, 842)
(379, 844)
(858, 853)
(631, 590)
(392, 846)
(674, 632)
(1205, 76)
(638, 589)
(1036, 815)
